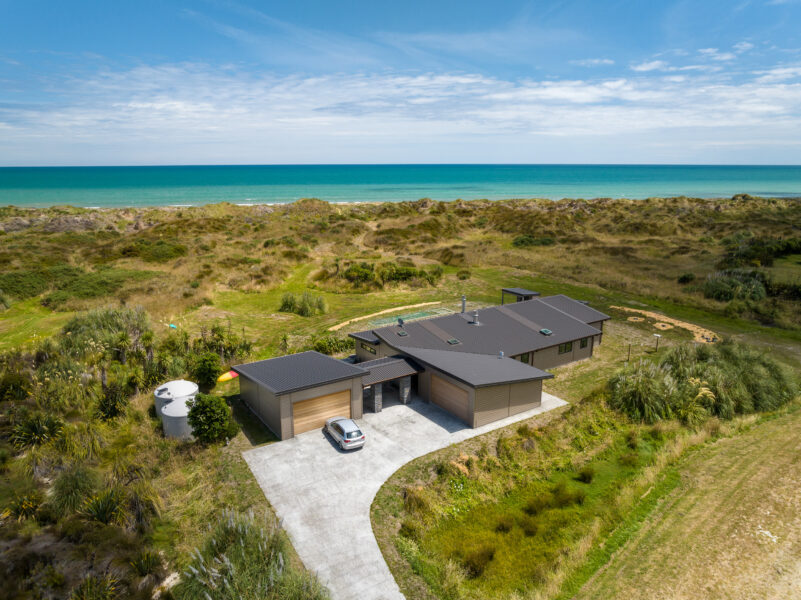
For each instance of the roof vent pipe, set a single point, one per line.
(500, 354)
(400, 322)
(475, 317)
(464, 303)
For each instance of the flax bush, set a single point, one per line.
(245, 560)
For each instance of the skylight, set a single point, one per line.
(546, 331)
(453, 341)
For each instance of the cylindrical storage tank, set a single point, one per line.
(174, 390)
(175, 420)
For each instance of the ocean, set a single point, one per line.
(244, 184)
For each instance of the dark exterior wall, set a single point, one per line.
(598, 325)
(364, 354)
(493, 403)
(525, 396)
(276, 411)
(549, 358)
(265, 405)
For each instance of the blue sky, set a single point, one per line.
(217, 82)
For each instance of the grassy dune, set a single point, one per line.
(728, 530)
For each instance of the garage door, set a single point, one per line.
(311, 414)
(451, 398)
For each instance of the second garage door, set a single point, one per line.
(311, 414)
(450, 397)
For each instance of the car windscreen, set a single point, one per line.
(352, 435)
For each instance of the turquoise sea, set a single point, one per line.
(192, 185)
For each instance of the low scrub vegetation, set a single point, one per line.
(78, 479)
(691, 383)
(242, 559)
(305, 304)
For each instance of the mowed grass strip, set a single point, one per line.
(729, 529)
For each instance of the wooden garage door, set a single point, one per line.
(311, 414)
(451, 398)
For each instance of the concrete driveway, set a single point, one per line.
(323, 495)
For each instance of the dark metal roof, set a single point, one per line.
(365, 336)
(477, 370)
(511, 328)
(298, 371)
(577, 310)
(520, 292)
(388, 368)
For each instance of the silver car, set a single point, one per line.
(344, 432)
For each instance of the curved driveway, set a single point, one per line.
(323, 495)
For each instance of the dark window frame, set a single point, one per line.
(524, 358)
(566, 347)
(369, 348)
(584, 342)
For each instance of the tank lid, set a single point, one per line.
(176, 389)
(175, 409)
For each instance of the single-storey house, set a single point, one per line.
(480, 366)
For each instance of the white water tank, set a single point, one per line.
(172, 391)
(175, 420)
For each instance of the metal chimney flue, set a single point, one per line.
(464, 303)
(475, 317)
(500, 354)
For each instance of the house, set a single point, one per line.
(480, 366)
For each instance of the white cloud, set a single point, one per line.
(715, 54)
(593, 62)
(651, 65)
(741, 47)
(203, 113)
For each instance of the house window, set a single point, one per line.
(523, 358)
(370, 349)
(584, 342)
(565, 348)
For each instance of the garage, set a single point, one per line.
(295, 394)
(450, 397)
(312, 414)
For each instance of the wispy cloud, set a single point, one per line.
(209, 113)
(715, 54)
(741, 47)
(593, 62)
(650, 65)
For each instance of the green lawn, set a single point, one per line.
(27, 320)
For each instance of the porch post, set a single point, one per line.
(405, 389)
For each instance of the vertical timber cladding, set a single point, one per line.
(450, 397)
(312, 414)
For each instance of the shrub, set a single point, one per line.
(205, 369)
(525, 241)
(504, 524)
(633, 439)
(304, 305)
(525, 431)
(734, 285)
(564, 496)
(96, 588)
(537, 504)
(586, 474)
(642, 392)
(463, 274)
(629, 459)
(146, 563)
(71, 489)
(529, 526)
(24, 506)
(209, 417)
(36, 430)
(476, 561)
(14, 386)
(250, 559)
(332, 344)
(113, 401)
(105, 507)
(415, 500)
(686, 278)
(410, 529)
